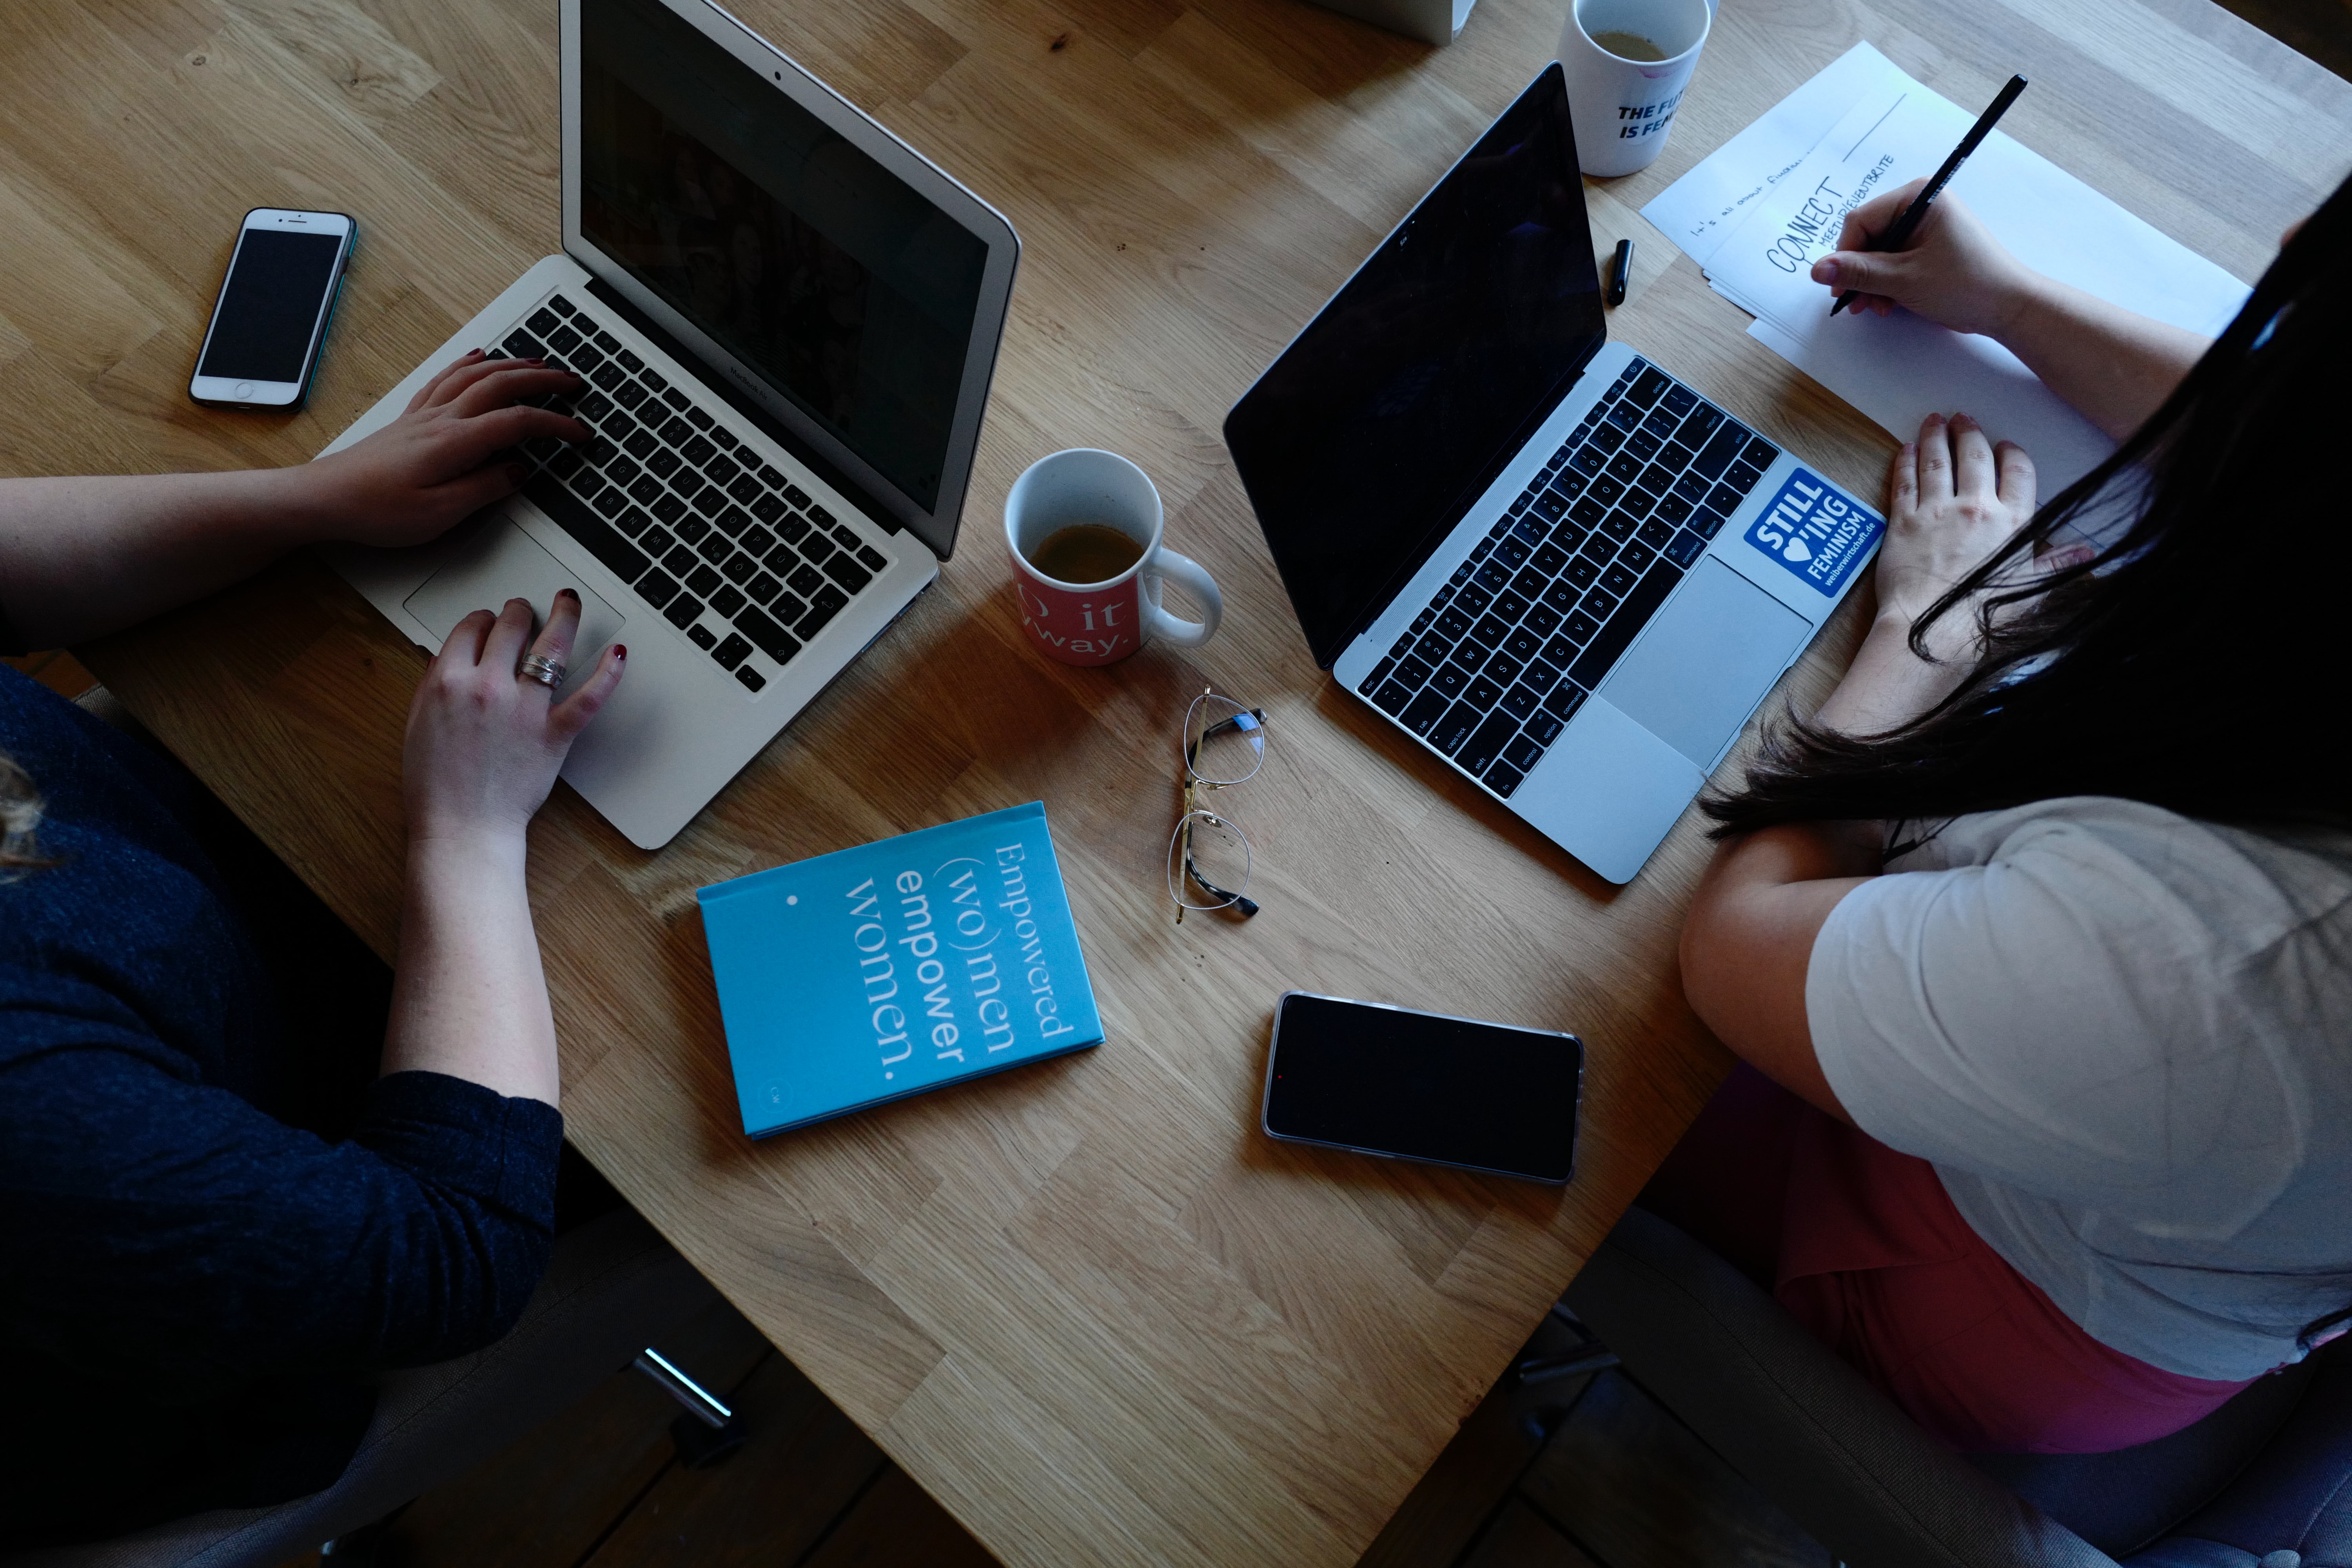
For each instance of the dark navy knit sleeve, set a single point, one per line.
(166, 1223)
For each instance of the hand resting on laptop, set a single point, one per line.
(444, 459)
(81, 557)
(84, 556)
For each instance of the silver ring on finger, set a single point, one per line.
(548, 672)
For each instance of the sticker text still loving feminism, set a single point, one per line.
(1816, 534)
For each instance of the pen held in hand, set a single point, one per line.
(1906, 222)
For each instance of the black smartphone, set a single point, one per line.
(262, 346)
(1406, 1085)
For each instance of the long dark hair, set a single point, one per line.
(2199, 661)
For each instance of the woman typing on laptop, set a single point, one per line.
(217, 1228)
(2038, 937)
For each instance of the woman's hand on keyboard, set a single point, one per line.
(484, 743)
(444, 459)
(1953, 270)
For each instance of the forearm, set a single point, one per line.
(82, 557)
(1887, 685)
(469, 998)
(2116, 366)
(1766, 894)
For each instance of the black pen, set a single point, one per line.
(1620, 272)
(1906, 222)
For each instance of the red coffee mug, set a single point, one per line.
(1099, 623)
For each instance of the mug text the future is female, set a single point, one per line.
(1628, 64)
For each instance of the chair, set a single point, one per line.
(611, 1289)
(2263, 1482)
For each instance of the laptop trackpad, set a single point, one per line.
(500, 562)
(1704, 663)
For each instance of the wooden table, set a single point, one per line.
(1087, 1304)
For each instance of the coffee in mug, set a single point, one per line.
(1084, 529)
(1086, 552)
(1628, 45)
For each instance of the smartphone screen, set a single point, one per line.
(269, 307)
(1421, 1086)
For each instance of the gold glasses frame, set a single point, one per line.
(1185, 872)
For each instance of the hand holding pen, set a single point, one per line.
(1916, 206)
(1953, 270)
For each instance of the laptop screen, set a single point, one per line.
(1397, 406)
(847, 291)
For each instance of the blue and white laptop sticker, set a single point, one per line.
(1816, 534)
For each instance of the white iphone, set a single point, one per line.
(271, 317)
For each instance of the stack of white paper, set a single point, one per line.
(1759, 212)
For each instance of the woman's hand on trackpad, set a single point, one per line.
(485, 736)
(487, 732)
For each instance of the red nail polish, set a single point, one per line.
(620, 652)
(567, 593)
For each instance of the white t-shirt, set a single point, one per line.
(2124, 1038)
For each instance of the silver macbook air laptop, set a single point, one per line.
(786, 318)
(1565, 572)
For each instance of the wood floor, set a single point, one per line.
(1562, 1467)
(1583, 1470)
(603, 1484)
(57, 670)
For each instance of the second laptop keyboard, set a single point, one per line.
(1507, 651)
(679, 509)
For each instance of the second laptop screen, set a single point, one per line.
(841, 285)
(1403, 399)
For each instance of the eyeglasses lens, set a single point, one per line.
(1208, 862)
(1225, 744)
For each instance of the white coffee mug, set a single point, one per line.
(1621, 108)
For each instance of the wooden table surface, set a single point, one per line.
(1087, 1304)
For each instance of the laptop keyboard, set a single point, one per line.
(679, 509)
(1507, 651)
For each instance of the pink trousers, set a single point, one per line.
(1863, 1247)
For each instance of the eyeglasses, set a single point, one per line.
(1223, 744)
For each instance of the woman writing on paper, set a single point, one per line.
(2037, 935)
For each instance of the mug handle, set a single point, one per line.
(1192, 575)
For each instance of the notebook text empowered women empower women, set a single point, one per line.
(896, 967)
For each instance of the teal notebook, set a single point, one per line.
(900, 966)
